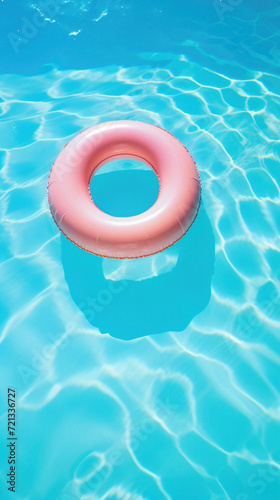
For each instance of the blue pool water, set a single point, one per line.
(155, 378)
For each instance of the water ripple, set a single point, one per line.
(183, 414)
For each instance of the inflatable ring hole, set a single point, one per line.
(124, 188)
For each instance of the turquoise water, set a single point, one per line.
(155, 378)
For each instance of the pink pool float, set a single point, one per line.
(160, 226)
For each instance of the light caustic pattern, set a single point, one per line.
(192, 412)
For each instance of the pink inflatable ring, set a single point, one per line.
(124, 237)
